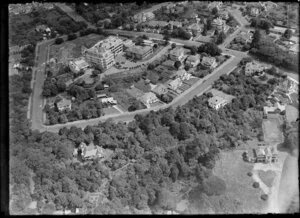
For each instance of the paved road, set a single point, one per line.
(197, 89)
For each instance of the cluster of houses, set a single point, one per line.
(28, 7)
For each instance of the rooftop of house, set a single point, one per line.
(254, 65)
(175, 23)
(147, 96)
(193, 58)
(139, 49)
(208, 60)
(81, 63)
(177, 51)
(174, 82)
(64, 102)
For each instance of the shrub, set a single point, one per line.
(255, 185)
(264, 197)
(59, 41)
(249, 173)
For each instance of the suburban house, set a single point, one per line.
(52, 101)
(193, 60)
(177, 54)
(64, 104)
(77, 65)
(41, 28)
(254, 11)
(273, 109)
(245, 37)
(209, 62)
(215, 4)
(169, 64)
(183, 75)
(108, 100)
(195, 27)
(223, 15)
(220, 25)
(148, 98)
(143, 17)
(253, 67)
(174, 84)
(265, 154)
(217, 102)
(160, 90)
(89, 152)
(139, 52)
(280, 30)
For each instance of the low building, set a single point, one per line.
(193, 60)
(148, 98)
(245, 37)
(139, 52)
(217, 102)
(160, 90)
(177, 54)
(64, 104)
(209, 62)
(174, 84)
(77, 65)
(280, 30)
(169, 64)
(223, 15)
(253, 67)
(289, 85)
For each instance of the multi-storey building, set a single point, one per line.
(139, 52)
(103, 53)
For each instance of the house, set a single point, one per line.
(53, 100)
(217, 102)
(209, 62)
(253, 67)
(173, 24)
(109, 100)
(64, 104)
(215, 4)
(127, 43)
(289, 85)
(220, 25)
(183, 75)
(78, 65)
(245, 37)
(157, 23)
(174, 84)
(41, 28)
(169, 64)
(148, 98)
(254, 11)
(223, 15)
(160, 90)
(265, 154)
(280, 30)
(91, 151)
(193, 60)
(268, 5)
(177, 54)
(195, 27)
(274, 109)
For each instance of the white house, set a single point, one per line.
(148, 98)
(217, 102)
(253, 67)
(174, 84)
(78, 65)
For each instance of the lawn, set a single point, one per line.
(72, 49)
(271, 130)
(123, 99)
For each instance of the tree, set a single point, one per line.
(95, 73)
(288, 34)
(173, 45)
(193, 50)
(221, 37)
(177, 64)
(214, 11)
(167, 39)
(59, 41)
(256, 39)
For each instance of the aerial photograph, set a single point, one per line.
(153, 107)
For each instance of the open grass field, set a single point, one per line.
(72, 49)
(239, 196)
(271, 130)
